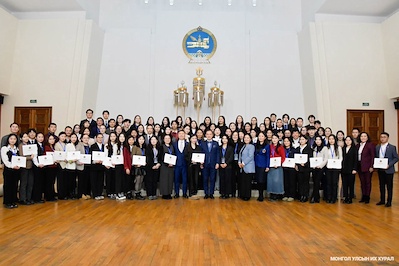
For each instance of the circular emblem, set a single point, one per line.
(199, 45)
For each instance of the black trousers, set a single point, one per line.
(110, 181)
(290, 182)
(317, 176)
(50, 174)
(225, 181)
(385, 180)
(348, 185)
(192, 175)
(97, 182)
(235, 177)
(39, 184)
(151, 182)
(332, 177)
(303, 183)
(84, 181)
(245, 186)
(10, 186)
(71, 183)
(62, 183)
(120, 179)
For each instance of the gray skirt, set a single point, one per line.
(275, 181)
(166, 178)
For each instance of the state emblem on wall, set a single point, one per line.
(199, 45)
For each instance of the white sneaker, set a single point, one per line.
(97, 198)
(101, 197)
(290, 199)
(120, 197)
(285, 198)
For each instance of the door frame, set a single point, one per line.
(33, 107)
(349, 130)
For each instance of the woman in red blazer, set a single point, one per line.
(127, 163)
(366, 154)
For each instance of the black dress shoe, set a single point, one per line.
(380, 203)
(23, 202)
(312, 201)
(206, 196)
(388, 204)
(9, 206)
(185, 196)
(40, 201)
(52, 200)
(176, 196)
(211, 197)
(362, 200)
(260, 199)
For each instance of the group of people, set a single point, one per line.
(235, 157)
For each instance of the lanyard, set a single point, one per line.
(100, 146)
(235, 149)
(224, 152)
(273, 150)
(287, 152)
(170, 151)
(142, 151)
(332, 153)
(63, 147)
(86, 149)
(382, 153)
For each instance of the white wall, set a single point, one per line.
(50, 65)
(391, 51)
(143, 60)
(8, 33)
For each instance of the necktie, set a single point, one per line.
(209, 146)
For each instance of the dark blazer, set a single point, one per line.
(349, 162)
(92, 127)
(163, 150)
(367, 158)
(236, 147)
(188, 152)
(94, 147)
(211, 157)
(229, 156)
(180, 161)
(392, 155)
(150, 157)
(307, 150)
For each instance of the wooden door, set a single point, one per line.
(37, 118)
(370, 121)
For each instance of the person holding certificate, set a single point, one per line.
(226, 160)
(246, 162)
(332, 174)
(38, 170)
(120, 176)
(366, 154)
(72, 166)
(111, 149)
(50, 171)
(385, 176)
(320, 153)
(275, 176)
(167, 170)
(97, 169)
(10, 173)
(211, 164)
(193, 167)
(139, 170)
(236, 144)
(262, 161)
(348, 171)
(127, 163)
(27, 176)
(303, 169)
(62, 173)
(290, 177)
(180, 147)
(83, 170)
(152, 168)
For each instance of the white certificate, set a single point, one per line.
(315, 161)
(300, 158)
(381, 163)
(275, 161)
(117, 159)
(170, 159)
(18, 161)
(334, 164)
(138, 160)
(289, 163)
(59, 156)
(85, 158)
(50, 153)
(73, 155)
(29, 149)
(98, 155)
(107, 161)
(198, 157)
(46, 160)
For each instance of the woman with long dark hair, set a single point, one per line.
(348, 171)
(366, 154)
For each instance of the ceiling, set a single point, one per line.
(41, 5)
(374, 8)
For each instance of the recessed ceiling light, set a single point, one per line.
(253, 2)
(171, 2)
(200, 2)
(229, 2)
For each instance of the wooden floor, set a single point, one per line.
(203, 232)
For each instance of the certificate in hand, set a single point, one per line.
(107, 161)
(59, 156)
(315, 161)
(73, 155)
(18, 161)
(198, 157)
(85, 158)
(98, 155)
(46, 160)
(301, 158)
(117, 159)
(275, 161)
(381, 163)
(334, 164)
(289, 163)
(170, 159)
(29, 149)
(138, 160)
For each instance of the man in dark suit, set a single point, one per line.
(386, 150)
(93, 124)
(180, 147)
(211, 164)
